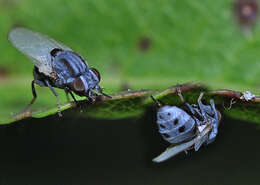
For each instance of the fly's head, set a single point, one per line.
(95, 78)
(87, 84)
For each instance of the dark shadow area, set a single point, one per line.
(65, 151)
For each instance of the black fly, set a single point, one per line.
(56, 65)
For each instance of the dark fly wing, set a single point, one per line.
(36, 46)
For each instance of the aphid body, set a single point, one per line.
(56, 65)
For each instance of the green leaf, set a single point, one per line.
(126, 104)
(134, 103)
(141, 45)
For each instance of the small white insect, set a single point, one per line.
(187, 129)
(248, 96)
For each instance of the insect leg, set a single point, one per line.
(214, 123)
(56, 94)
(201, 106)
(191, 109)
(34, 97)
(67, 91)
(214, 109)
(67, 94)
(178, 89)
(73, 97)
(92, 96)
(158, 102)
(34, 93)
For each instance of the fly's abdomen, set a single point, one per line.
(175, 125)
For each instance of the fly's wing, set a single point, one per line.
(36, 47)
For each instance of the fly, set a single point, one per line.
(56, 65)
(186, 129)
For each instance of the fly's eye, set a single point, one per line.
(96, 73)
(162, 126)
(176, 121)
(78, 85)
(160, 116)
(55, 51)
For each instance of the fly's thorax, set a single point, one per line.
(175, 125)
(68, 65)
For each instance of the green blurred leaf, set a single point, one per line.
(187, 41)
(122, 105)
(135, 103)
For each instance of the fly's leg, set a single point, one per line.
(204, 109)
(178, 89)
(56, 94)
(201, 106)
(34, 97)
(211, 120)
(67, 91)
(73, 97)
(92, 96)
(67, 95)
(195, 111)
(214, 122)
(34, 94)
(202, 113)
(157, 102)
(190, 108)
(214, 109)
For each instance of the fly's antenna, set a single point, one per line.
(158, 103)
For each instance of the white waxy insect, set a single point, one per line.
(193, 127)
(248, 96)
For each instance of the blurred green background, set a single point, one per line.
(135, 44)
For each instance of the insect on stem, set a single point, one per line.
(232, 102)
(56, 65)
